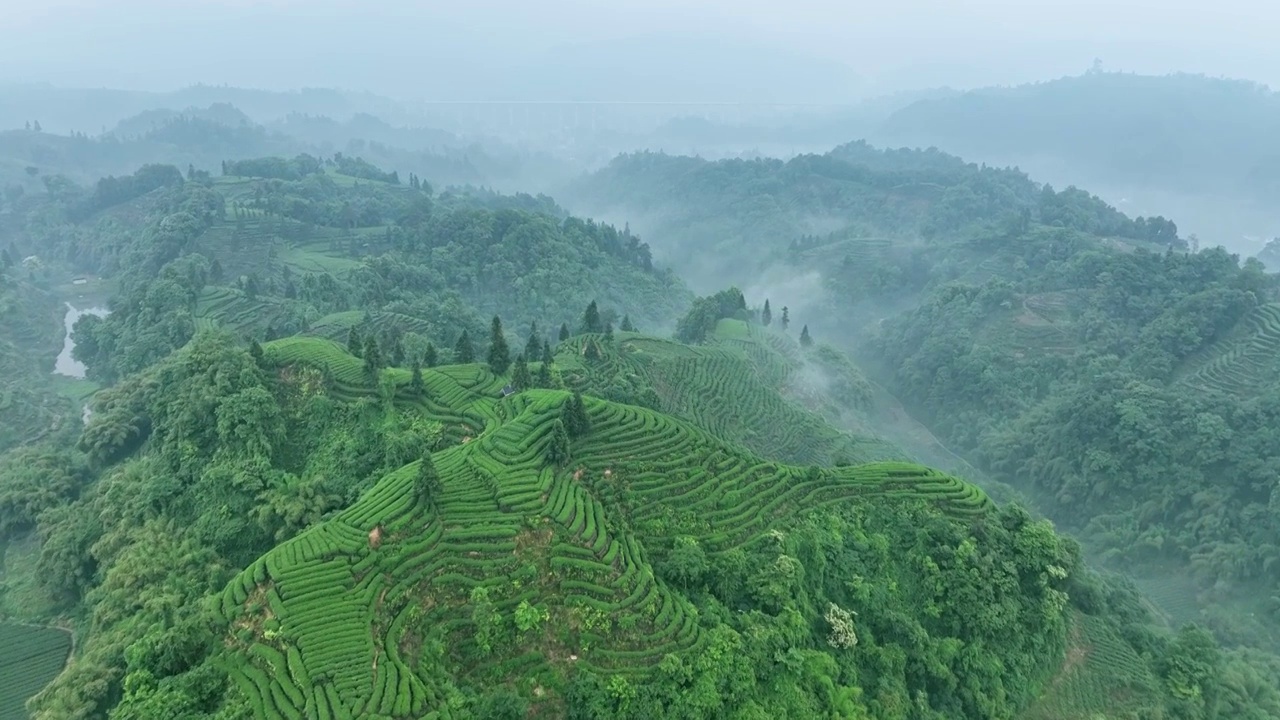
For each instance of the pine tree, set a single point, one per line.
(415, 382)
(464, 352)
(590, 351)
(547, 357)
(499, 353)
(766, 315)
(591, 322)
(259, 358)
(564, 332)
(428, 480)
(626, 324)
(576, 420)
(397, 351)
(805, 340)
(558, 448)
(534, 345)
(430, 357)
(520, 376)
(608, 332)
(545, 380)
(355, 344)
(372, 356)
(786, 319)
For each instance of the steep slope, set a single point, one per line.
(748, 386)
(1054, 342)
(30, 316)
(1242, 364)
(524, 565)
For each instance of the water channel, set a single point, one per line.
(65, 364)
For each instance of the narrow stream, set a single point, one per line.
(65, 364)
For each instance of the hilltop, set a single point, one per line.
(572, 557)
(1200, 148)
(585, 569)
(1122, 125)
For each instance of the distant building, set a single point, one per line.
(508, 390)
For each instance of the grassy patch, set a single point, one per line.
(305, 260)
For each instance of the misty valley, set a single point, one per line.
(326, 405)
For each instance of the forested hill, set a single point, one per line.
(305, 247)
(1188, 132)
(1196, 147)
(32, 158)
(735, 219)
(365, 449)
(1081, 355)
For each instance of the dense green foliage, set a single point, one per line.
(30, 327)
(287, 257)
(731, 219)
(1057, 344)
(539, 564)
(1026, 318)
(299, 495)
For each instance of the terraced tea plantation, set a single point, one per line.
(233, 309)
(338, 325)
(746, 388)
(1244, 363)
(29, 658)
(380, 611)
(1101, 677)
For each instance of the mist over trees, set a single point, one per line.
(565, 403)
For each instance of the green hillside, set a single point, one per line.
(323, 478)
(748, 386)
(614, 563)
(1244, 363)
(569, 542)
(30, 337)
(1086, 358)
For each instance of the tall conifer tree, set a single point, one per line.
(499, 353)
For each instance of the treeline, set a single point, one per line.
(274, 167)
(735, 215)
(302, 165)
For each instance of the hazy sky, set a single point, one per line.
(800, 49)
